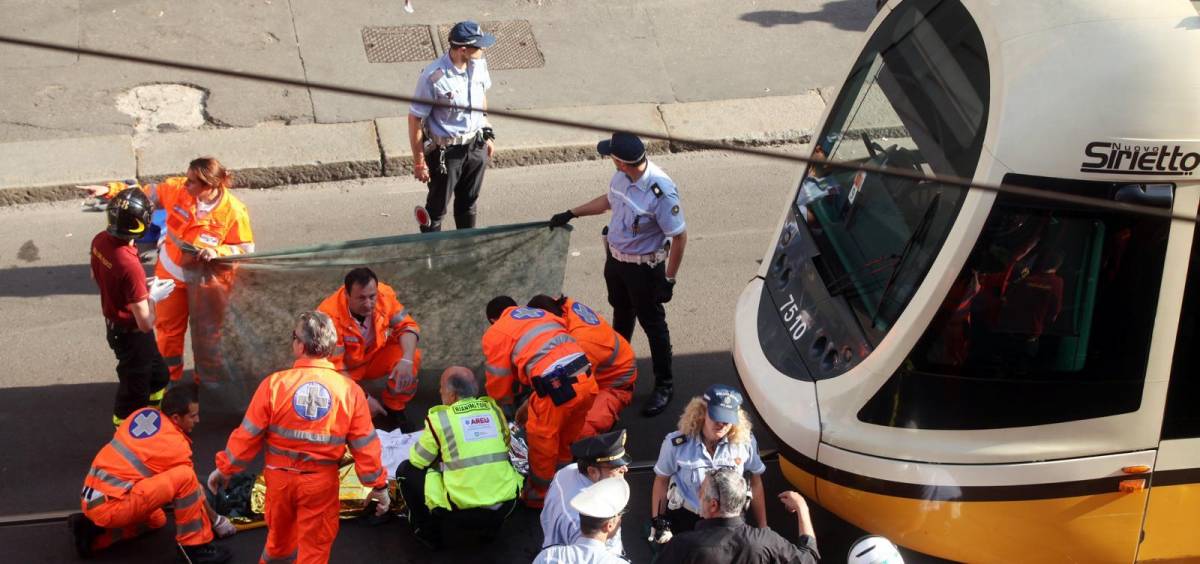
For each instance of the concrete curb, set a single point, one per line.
(267, 156)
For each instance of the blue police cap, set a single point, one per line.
(625, 147)
(470, 34)
(723, 403)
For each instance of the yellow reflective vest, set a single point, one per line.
(465, 447)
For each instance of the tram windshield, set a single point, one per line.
(916, 100)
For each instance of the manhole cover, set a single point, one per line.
(398, 44)
(515, 46)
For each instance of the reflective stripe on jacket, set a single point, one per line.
(469, 442)
(147, 443)
(522, 344)
(308, 416)
(226, 228)
(613, 362)
(390, 320)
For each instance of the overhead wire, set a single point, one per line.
(950, 180)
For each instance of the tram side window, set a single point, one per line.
(1182, 417)
(1049, 321)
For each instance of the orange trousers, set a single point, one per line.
(379, 365)
(606, 410)
(140, 510)
(549, 431)
(173, 315)
(302, 516)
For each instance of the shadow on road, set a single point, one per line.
(39, 281)
(849, 15)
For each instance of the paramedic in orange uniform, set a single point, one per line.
(204, 221)
(613, 363)
(533, 347)
(377, 338)
(307, 416)
(146, 465)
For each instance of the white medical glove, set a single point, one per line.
(383, 501)
(160, 288)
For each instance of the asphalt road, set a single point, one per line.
(56, 395)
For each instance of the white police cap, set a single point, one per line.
(604, 499)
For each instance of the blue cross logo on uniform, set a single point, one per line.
(527, 313)
(145, 424)
(585, 313)
(312, 401)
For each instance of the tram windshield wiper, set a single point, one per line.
(917, 238)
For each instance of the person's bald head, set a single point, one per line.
(458, 382)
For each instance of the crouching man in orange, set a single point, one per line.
(533, 348)
(376, 338)
(613, 362)
(147, 464)
(204, 221)
(307, 416)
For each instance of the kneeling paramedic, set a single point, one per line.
(146, 465)
(376, 339)
(532, 347)
(459, 468)
(127, 303)
(307, 416)
(613, 363)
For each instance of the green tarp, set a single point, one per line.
(242, 317)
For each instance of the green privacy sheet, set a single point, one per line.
(243, 314)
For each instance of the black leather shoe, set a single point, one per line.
(204, 554)
(84, 531)
(657, 402)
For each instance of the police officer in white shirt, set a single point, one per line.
(600, 508)
(596, 458)
(452, 146)
(641, 266)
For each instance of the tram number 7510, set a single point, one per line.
(791, 315)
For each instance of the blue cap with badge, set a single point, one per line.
(723, 403)
(625, 147)
(469, 33)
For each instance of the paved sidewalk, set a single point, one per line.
(717, 70)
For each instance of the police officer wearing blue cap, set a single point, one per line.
(713, 433)
(646, 236)
(452, 145)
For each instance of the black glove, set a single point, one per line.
(666, 290)
(561, 219)
(660, 530)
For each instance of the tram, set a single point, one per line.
(989, 376)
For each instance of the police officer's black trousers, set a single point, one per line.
(633, 291)
(463, 179)
(484, 522)
(140, 368)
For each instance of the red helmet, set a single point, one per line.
(129, 213)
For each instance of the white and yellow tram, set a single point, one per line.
(984, 376)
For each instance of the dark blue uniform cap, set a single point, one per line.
(470, 34)
(625, 147)
(723, 403)
(605, 448)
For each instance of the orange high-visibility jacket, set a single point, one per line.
(388, 323)
(147, 443)
(523, 344)
(613, 362)
(308, 415)
(226, 228)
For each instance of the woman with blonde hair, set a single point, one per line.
(714, 432)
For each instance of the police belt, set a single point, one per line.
(559, 384)
(120, 327)
(651, 259)
(464, 139)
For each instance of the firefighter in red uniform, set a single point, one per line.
(146, 465)
(377, 338)
(613, 363)
(128, 304)
(533, 347)
(307, 416)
